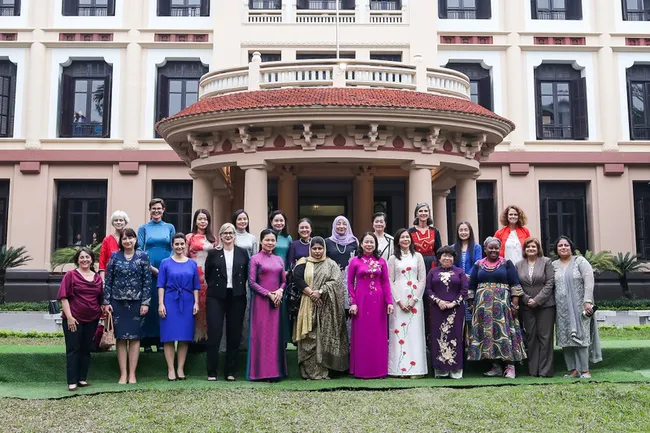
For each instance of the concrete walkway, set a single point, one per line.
(29, 321)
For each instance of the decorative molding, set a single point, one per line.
(613, 169)
(309, 138)
(466, 39)
(470, 145)
(559, 40)
(86, 37)
(8, 36)
(30, 167)
(181, 37)
(634, 42)
(310, 43)
(129, 167)
(427, 141)
(373, 138)
(204, 144)
(519, 169)
(249, 139)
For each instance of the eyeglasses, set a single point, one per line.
(228, 234)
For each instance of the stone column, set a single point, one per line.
(132, 110)
(420, 190)
(440, 213)
(514, 76)
(256, 196)
(202, 191)
(221, 212)
(34, 125)
(288, 198)
(237, 180)
(466, 200)
(607, 73)
(364, 201)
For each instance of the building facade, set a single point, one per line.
(83, 83)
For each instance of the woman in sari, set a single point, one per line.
(319, 331)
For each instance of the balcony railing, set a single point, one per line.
(265, 4)
(87, 129)
(335, 73)
(551, 15)
(7, 11)
(638, 15)
(557, 132)
(186, 11)
(322, 5)
(93, 12)
(461, 14)
(383, 5)
(640, 133)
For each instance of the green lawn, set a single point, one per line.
(554, 408)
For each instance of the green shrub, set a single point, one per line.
(624, 304)
(30, 334)
(24, 306)
(638, 332)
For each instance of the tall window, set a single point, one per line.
(266, 57)
(561, 103)
(465, 9)
(636, 10)
(81, 212)
(386, 57)
(85, 100)
(178, 202)
(480, 83)
(178, 87)
(642, 218)
(385, 5)
(9, 8)
(556, 9)
(89, 8)
(325, 4)
(183, 8)
(264, 4)
(487, 212)
(7, 97)
(638, 98)
(4, 205)
(564, 212)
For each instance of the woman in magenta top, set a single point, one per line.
(81, 294)
(370, 303)
(266, 347)
(119, 220)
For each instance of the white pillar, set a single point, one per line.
(515, 111)
(256, 196)
(467, 200)
(440, 213)
(420, 190)
(221, 209)
(202, 191)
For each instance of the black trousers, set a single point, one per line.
(232, 309)
(78, 345)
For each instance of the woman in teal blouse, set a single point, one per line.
(278, 222)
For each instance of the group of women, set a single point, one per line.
(366, 305)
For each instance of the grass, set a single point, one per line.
(24, 306)
(563, 407)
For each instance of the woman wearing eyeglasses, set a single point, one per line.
(226, 273)
(425, 237)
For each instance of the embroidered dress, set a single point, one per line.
(447, 325)
(495, 332)
(266, 350)
(407, 350)
(198, 247)
(426, 244)
(369, 290)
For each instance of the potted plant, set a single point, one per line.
(64, 256)
(624, 264)
(11, 257)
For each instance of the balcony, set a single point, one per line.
(190, 11)
(324, 5)
(87, 129)
(554, 132)
(335, 73)
(551, 15)
(265, 4)
(461, 14)
(93, 12)
(638, 15)
(385, 5)
(7, 11)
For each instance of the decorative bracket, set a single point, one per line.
(309, 138)
(470, 146)
(427, 141)
(373, 138)
(249, 139)
(203, 144)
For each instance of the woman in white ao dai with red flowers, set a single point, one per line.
(407, 275)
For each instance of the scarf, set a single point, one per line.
(345, 239)
(574, 313)
(304, 321)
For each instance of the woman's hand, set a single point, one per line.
(154, 270)
(72, 324)
(108, 308)
(162, 311)
(589, 308)
(390, 309)
(411, 304)
(402, 306)
(315, 295)
(531, 303)
(354, 310)
(144, 309)
(195, 310)
(272, 297)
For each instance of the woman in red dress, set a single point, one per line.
(119, 220)
(425, 237)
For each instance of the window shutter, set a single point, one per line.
(302, 4)
(162, 107)
(442, 9)
(630, 111)
(538, 110)
(574, 9)
(70, 8)
(348, 4)
(17, 8)
(533, 9)
(544, 223)
(12, 99)
(164, 8)
(106, 121)
(485, 92)
(205, 8)
(111, 8)
(579, 109)
(66, 106)
(624, 9)
(484, 9)
(642, 246)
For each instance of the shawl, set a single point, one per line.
(304, 321)
(345, 239)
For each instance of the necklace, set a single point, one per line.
(305, 243)
(345, 247)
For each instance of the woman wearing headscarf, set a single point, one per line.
(425, 237)
(341, 247)
(576, 329)
(319, 330)
(495, 333)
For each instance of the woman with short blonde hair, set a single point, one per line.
(119, 220)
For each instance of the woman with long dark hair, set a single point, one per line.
(467, 250)
(425, 237)
(243, 238)
(278, 223)
(300, 247)
(197, 245)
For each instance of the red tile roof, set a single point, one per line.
(340, 97)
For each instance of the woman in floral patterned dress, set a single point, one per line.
(447, 289)
(407, 350)
(198, 244)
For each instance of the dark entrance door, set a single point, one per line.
(322, 200)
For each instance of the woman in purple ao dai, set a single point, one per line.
(370, 303)
(266, 346)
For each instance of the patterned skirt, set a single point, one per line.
(495, 333)
(127, 319)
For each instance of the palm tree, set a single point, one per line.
(64, 256)
(624, 264)
(11, 257)
(600, 261)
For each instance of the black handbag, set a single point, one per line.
(293, 296)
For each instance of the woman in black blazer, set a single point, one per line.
(226, 273)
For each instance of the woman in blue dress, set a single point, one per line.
(278, 222)
(154, 237)
(467, 253)
(178, 303)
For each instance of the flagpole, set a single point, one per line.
(338, 46)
